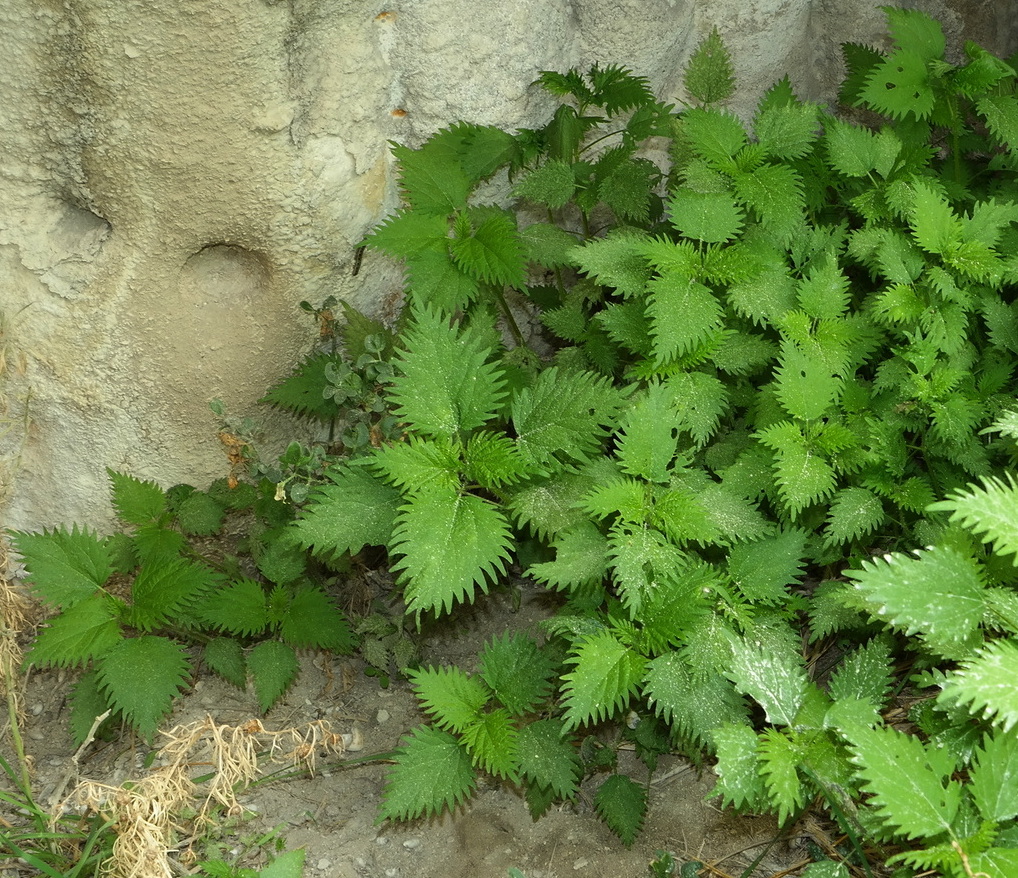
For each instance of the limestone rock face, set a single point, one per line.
(176, 177)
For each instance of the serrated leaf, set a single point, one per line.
(616, 261)
(550, 506)
(824, 293)
(136, 501)
(548, 759)
(225, 656)
(493, 460)
(200, 515)
(64, 567)
(431, 178)
(240, 607)
(301, 393)
(454, 698)
(698, 400)
(854, 513)
(779, 762)
(989, 510)
(684, 314)
(491, 740)
(581, 558)
(905, 781)
(313, 621)
(805, 385)
(934, 225)
(939, 592)
(355, 510)
(491, 251)
(993, 779)
(710, 217)
(517, 671)
(864, 675)
(713, 134)
(696, 705)
(141, 676)
(641, 556)
(547, 245)
(161, 591)
(445, 383)
(740, 784)
(622, 804)
(785, 127)
(775, 681)
(606, 676)
(709, 76)
(774, 192)
(563, 416)
(88, 703)
(899, 86)
(916, 31)
(553, 184)
(985, 684)
(84, 631)
(432, 772)
(273, 667)
(648, 435)
(418, 463)
(289, 864)
(764, 569)
(448, 544)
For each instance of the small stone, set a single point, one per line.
(383, 716)
(412, 843)
(381, 840)
(580, 864)
(37, 708)
(391, 873)
(324, 864)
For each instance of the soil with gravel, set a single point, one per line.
(333, 814)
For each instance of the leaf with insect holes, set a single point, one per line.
(273, 667)
(622, 804)
(136, 501)
(141, 676)
(64, 567)
(431, 772)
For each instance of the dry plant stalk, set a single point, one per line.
(143, 812)
(14, 619)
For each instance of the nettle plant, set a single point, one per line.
(756, 369)
(139, 609)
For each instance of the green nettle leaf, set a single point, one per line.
(648, 435)
(289, 864)
(993, 779)
(417, 463)
(136, 501)
(906, 781)
(64, 567)
(699, 400)
(446, 383)
(84, 631)
(805, 385)
(990, 511)
(606, 676)
(448, 543)
(616, 261)
(88, 703)
(454, 698)
(934, 225)
(710, 77)
(740, 783)
(563, 416)
(301, 393)
(776, 682)
(547, 245)
(864, 675)
(985, 684)
(785, 127)
(711, 217)
(492, 743)
(492, 251)
(626, 498)
(241, 608)
(774, 192)
(640, 557)
(764, 569)
(548, 759)
(856, 151)
(581, 558)
(548, 507)
(916, 31)
(714, 135)
(779, 763)
(432, 772)
(696, 705)
(434, 278)
(431, 178)
(161, 590)
(622, 804)
(804, 476)
(940, 592)
(900, 86)
(1001, 115)
(353, 511)
(824, 293)
(141, 676)
(684, 314)
(273, 667)
(517, 671)
(225, 656)
(493, 460)
(552, 184)
(855, 513)
(312, 621)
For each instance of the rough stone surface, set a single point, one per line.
(177, 177)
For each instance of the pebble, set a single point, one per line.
(391, 873)
(381, 840)
(412, 843)
(383, 716)
(580, 864)
(324, 864)
(37, 709)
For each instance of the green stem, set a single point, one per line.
(16, 739)
(514, 328)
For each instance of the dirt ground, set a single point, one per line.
(332, 815)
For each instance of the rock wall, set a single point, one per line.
(176, 177)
